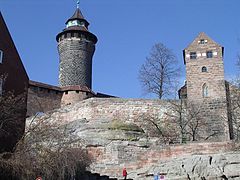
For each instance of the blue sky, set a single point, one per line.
(126, 30)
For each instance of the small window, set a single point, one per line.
(204, 69)
(77, 92)
(202, 41)
(193, 55)
(66, 92)
(1, 56)
(205, 90)
(209, 54)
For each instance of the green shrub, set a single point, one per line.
(119, 125)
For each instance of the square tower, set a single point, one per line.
(206, 85)
(204, 69)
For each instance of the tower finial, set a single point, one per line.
(78, 2)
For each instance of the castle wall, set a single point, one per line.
(42, 100)
(72, 97)
(116, 108)
(216, 114)
(142, 163)
(140, 111)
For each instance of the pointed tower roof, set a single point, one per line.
(77, 24)
(201, 36)
(78, 16)
(199, 42)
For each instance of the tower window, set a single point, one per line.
(202, 41)
(209, 54)
(82, 23)
(193, 55)
(205, 90)
(1, 56)
(73, 23)
(204, 69)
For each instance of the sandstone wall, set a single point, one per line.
(114, 109)
(135, 110)
(215, 112)
(72, 97)
(176, 162)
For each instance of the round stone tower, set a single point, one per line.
(76, 46)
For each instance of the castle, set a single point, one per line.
(113, 129)
(205, 82)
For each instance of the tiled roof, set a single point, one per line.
(77, 15)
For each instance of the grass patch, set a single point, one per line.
(119, 125)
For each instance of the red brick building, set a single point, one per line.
(14, 80)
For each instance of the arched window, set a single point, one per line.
(205, 90)
(204, 69)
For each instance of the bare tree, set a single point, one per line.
(12, 120)
(156, 127)
(158, 74)
(234, 108)
(47, 149)
(233, 100)
(195, 120)
(190, 120)
(177, 116)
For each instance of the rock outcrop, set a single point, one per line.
(115, 143)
